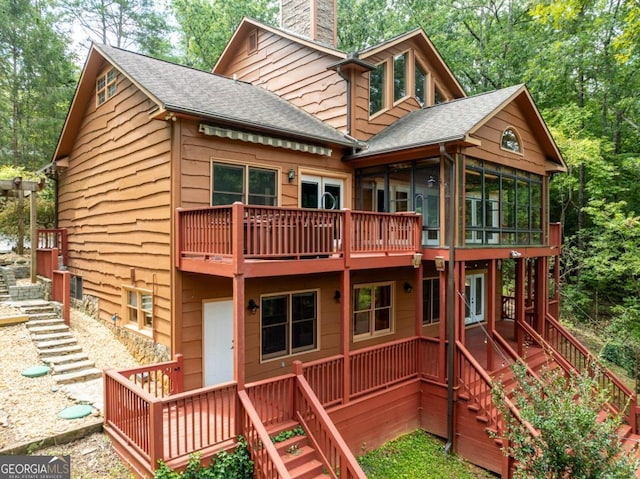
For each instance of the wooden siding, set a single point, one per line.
(197, 288)
(115, 192)
(533, 158)
(198, 151)
(293, 71)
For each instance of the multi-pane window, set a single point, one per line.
(399, 76)
(247, 184)
(372, 310)
(106, 86)
(502, 205)
(289, 323)
(376, 88)
(431, 301)
(139, 308)
(75, 287)
(420, 81)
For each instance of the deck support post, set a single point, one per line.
(520, 303)
(491, 312)
(419, 295)
(345, 334)
(541, 293)
(239, 329)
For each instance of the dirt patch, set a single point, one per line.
(29, 407)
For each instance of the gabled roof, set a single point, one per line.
(419, 35)
(456, 121)
(183, 90)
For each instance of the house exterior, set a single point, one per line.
(355, 218)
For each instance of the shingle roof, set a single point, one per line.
(186, 90)
(439, 123)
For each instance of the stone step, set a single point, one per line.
(52, 336)
(59, 351)
(72, 366)
(50, 328)
(65, 358)
(44, 322)
(56, 343)
(77, 376)
(37, 316)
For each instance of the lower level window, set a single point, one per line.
(289, 323)
(431, 301)
(139, 308)
(76, 287)
(372, 310)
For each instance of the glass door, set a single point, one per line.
(474, 295)
(322, 193)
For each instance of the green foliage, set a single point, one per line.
(205, 26)
(224, 465)
(288, 434)
(416, 456)
(574, 440)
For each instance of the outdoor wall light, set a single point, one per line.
(291, 175)
(336, 296)
(253, 306)
(515, 254)
(407, 287)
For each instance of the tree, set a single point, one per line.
(134, 24)
(577, 436)
(37, 78)
(205, 26)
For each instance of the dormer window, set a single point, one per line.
(420, 85)
(376, 88)
(511, 140)
(399, 77)
(106, 86)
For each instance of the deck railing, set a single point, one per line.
(47, 239)
(338, 460)
(160, 421)
(564, 343)
(325, 376)
(265, 232)
(381, 366)
(273, 399)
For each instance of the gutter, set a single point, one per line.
(451, 331)
(347, 79)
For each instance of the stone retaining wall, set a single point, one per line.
(142, 348)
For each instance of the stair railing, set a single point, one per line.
(475, 381)
(338, 460)
(267, 462)
(579, 358)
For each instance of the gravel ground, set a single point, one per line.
(29, 407)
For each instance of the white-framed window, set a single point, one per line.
(138, 307)
(431, 301)
(288, 323)
(248, 184)
(373, 310)
(106, 86)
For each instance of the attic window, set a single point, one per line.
(106, 86)
(511, 140)
(377, 88)
(252, 42)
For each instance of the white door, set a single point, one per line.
(322, 192)
(218, 352)
(474, 299)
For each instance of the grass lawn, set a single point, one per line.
(417, 455)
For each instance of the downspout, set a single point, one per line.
(347, 79)
(451, 331)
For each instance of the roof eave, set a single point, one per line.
(452, 139)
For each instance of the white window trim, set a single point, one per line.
(392, 320)
(106, 86)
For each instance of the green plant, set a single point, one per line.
(224, 465)
(574, 438)
(288, 434)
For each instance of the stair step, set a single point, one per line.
(482, 418)
(309, 470)
(44, 322)
(78, 376)
(52, 336)
(56, 343)
(50, 315)
(72, 366)
(474, 407)
(65, 358)
(50, 328)
(295, 442)
(59, 350)
(296, 456)
(275, 429)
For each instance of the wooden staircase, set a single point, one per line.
(298, 454)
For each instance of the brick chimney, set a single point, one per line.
(314, 19)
